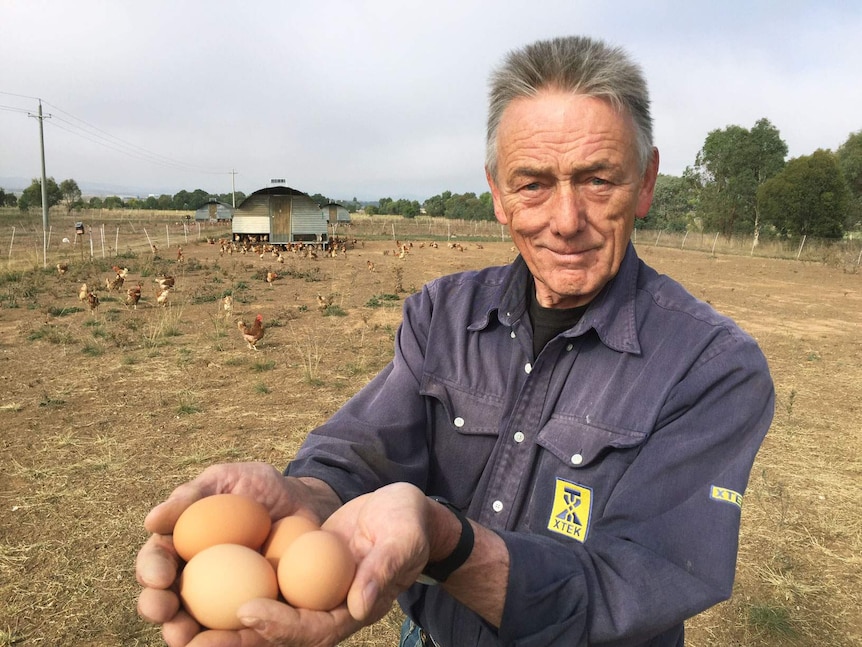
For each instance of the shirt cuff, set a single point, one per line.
(546, 598)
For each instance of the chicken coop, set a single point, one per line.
(214, 211)
(336, 214)
(279, 215)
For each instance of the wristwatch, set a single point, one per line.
(437, 572)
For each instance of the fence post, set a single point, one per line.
(714, 241)
(683, 240)
(801, 245)
(12, 240)
(657, 237)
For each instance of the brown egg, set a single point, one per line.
(221, 519)
(316, 571)
(283, 532)
(220, 579)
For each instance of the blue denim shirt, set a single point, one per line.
(612, 465)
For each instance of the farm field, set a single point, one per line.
(102, 413)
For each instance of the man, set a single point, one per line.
(589, 425)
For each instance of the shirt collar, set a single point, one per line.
(611, 314)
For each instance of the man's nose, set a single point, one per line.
(569, 211)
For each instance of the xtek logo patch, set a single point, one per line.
(570, 515)
(723, 494)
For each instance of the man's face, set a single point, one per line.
(569, 187)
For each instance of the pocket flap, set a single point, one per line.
(579, 443)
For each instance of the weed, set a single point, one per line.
(92, 350)
(260, 367)
(380, 300)
(771, 619)
(334, 311)
(62, 312)
(49, 402)
(52, 335)
(790, 399)
(261, 388)
(188, 405)
(235, 361)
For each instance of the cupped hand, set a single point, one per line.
(157, 563)
(388, 537)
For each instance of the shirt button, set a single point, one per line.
(577, 459)
(512, 334)
(458, 422)
(519, 436)
(569, 346)
(497, 506)
(528, 368)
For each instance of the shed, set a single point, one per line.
(336, 214)
(214, 210)
(279, 215)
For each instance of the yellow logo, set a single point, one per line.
(723, 494)
(570, 515)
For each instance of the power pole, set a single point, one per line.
(233, 187)
(44, 187)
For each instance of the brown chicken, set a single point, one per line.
(272, 276)
(165, 282)
(115, 284)
(93, 301)
(253, 334)
(162, 296)
(62, 268)
(133, 295)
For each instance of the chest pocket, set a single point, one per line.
(463, 429)
(587, 455)
(580, 445)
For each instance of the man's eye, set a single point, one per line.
(532, 186)
(597, 181)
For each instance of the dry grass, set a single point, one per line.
(104, 413)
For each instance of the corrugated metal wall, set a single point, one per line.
(253, 218)
(307, 219)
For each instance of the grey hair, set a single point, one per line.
(576, 64)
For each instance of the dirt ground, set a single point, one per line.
(104, 412)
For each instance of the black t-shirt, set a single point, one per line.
(550, 322)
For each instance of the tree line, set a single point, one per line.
(740, 183)
(67, 194)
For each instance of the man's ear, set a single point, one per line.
(499, 213)
(647, 189)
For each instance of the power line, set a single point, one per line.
(89, 132)
(140, 152)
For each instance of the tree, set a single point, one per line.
(7, 199)
(809, 197)
(71, 195)
(671, 204)
(730, 167)
(113, 202)
(850, 161)
(32, 195)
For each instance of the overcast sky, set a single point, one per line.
(387, 98)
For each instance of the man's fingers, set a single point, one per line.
(157, 605)
(157, 563)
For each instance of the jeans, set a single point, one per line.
(412, 635)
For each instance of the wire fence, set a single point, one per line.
(112, 233)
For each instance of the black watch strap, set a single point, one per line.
(436, 572)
